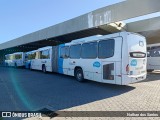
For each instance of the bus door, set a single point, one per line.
(75, 54)
(110, 55)
(63, 59)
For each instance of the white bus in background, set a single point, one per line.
(153, 57)
(15, 60)
(42, 59)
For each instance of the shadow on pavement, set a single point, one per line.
(55, 90)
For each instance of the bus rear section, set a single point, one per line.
(135, 60)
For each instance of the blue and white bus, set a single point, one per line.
(15, 59)
(118, 58)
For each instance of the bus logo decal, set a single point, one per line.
(96, 64)
(134, 62)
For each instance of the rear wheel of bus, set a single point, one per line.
(44, 68)
(15, 65)
(79, 75)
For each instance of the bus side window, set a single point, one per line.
(64, 52)
(18, 56)
(106, 48)
(37, 55)
(45, 54)
(12, 57)
(67, 52)
(148, 48)
(75, 51)
(156, 54)
(89, 50)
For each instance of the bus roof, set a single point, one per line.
(31, 51)
(97, 37)
(44, 48)
(14, 53)
(18, 53)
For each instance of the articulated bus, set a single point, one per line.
(118, 58)
(15, 59)
(153, 57)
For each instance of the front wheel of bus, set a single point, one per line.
(44, 68)
(29, 67)
(79, 75)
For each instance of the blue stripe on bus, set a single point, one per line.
(27, 64)
(60, 60)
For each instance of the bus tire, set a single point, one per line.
(79, 75)
(6, 65)
(44, 68)
(150, 70)
(29, 66)
(15, 65)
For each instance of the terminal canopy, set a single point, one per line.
(102, 21)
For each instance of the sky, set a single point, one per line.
(20, 17)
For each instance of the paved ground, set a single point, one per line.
(32, 90)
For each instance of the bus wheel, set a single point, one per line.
(6, 64)
(15, 65)
(29, 66)
(79, 75)
(150, 70)
(44, 68)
